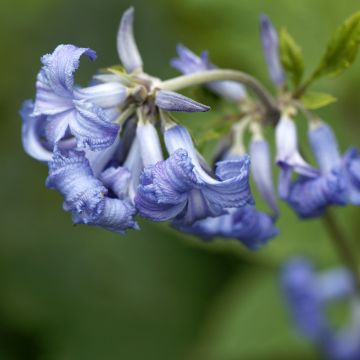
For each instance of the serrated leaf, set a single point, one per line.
(291, 57)
(341, 50)
(316, 100)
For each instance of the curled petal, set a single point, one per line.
(117, 216)
(189, 63)
(310, 197)
(325, 147)
(126, 45)
(91, 127)
(261, 169)
(70, 174)
(172, 101)
(60, 66)
(32, 129)
(253, 228)
(270, 45)
(177, 188)
(106, 95)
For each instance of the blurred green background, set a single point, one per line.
(71, 292)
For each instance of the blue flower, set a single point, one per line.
(308, 294)
(189, 63)
(270, 43)
(72, 110)
(180, 188)
(253, 228)
(337, 182)
(90, 200)
(288, 157)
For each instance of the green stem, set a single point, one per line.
(202, 77)
(343, 246)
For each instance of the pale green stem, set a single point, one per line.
(206, 76)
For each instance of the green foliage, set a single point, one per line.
(341, 50)
(315, 100)
(291, 57)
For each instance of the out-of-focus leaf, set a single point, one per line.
(316, 100)
(291, 57)
(250, 321)
(341, 50)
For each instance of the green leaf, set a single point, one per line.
(341, 50)
(316, 100)
(291, 57)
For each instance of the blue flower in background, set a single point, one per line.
(308, 294)
(337, 182)
(189, 63)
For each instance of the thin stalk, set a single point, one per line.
(202, 77)
(342, 246)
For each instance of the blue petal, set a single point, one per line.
(172, 101)
(300, 289)
(310, 197)
(126, 45)
(270, 45)
(116, 179)
(32, 130)
(117, 216)
(91, 127)
(325, 147)
(60, 66)
(189, 63)
(70, 174)
(253, 228)
(149, 142)
(86, 196)
(262, 174)
(175, 187)
(351, 166)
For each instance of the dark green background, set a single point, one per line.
(83, 293)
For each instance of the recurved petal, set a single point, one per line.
(70, 174)
(91, 127)
(262, 174)
(288, 155)
(310, 197)
(31, 133)
(59, 67)
(270, 45)
(172, 101)
(126, 45)
(117, 215)
(108, 95)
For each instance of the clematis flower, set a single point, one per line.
(71, 110)
(179, 187)
(189, 63)
(308, 294)
(337, 182)
(253, 228)
(270, 43)
(94, 201)
(288, 157)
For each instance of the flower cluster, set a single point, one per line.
(103, 148)
(308, 294)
